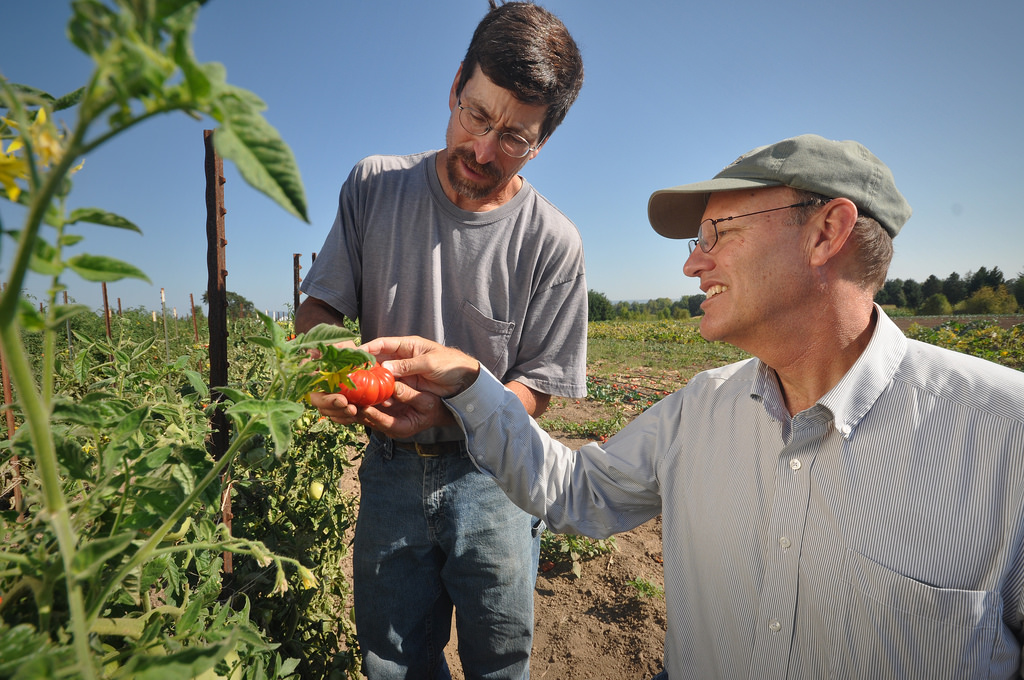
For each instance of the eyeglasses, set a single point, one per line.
(475, 124)
(707, 233)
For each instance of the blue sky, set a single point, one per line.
(673, 92)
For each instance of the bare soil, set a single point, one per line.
(596, 626)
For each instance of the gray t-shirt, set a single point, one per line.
(506, 286)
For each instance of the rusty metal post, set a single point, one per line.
(192, 306)
(216, 293)
(106, 309)
(296, 280)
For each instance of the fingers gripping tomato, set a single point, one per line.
(370, 386)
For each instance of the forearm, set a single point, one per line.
(534, 402)
(313, 312)
(595, 491)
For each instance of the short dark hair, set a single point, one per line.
(528, 51)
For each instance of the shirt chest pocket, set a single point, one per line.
(898, 627)
(483, 337)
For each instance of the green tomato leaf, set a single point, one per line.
(256, 148)
(68, 100)
(261, 341)
(91, 557)
(323, 334)
(91, 27)
(129, 424)
(198, 384)
(45, 259)
(103, 268)
(29, 317)
(62, 313)
(97, 216)
(276, 414)
(342, 358)
(275, 331)
(197, 77)
(191, 662)
(233, 395)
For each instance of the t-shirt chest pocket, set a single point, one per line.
(482, 336)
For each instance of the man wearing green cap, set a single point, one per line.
(848, 503)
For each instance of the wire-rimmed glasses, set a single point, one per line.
(707, 232)
(475, 123)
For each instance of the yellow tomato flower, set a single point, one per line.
(11, 169)
(309, 580)
(46, 141)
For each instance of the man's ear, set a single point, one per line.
(453, 96)
(834, 226)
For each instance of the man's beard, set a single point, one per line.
(466, 188)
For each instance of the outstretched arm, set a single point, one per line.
(595, 491)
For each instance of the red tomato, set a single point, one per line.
(371, 386)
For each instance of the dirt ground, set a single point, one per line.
(596, 627)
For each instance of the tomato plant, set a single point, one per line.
(370, 386)
(112, 564)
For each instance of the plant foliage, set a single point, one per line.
(112, 564)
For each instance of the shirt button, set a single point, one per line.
(774, 626)
(470, 408)
(794, 463)
(785, 542)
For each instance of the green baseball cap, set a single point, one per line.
(811, 163)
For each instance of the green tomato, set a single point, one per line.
(316, 490)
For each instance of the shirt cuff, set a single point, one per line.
(477, 403)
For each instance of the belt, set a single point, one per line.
(431, 450)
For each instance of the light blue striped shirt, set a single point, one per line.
(878, 534)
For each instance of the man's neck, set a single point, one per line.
(824, 358)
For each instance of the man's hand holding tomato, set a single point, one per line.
(426, 371)
(403, 414)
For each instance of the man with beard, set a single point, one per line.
(456, 246)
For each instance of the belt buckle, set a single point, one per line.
(422, 452)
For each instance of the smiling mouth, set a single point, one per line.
(715, 290)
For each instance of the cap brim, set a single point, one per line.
(676, 212)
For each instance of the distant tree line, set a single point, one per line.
(986, 291)
(603, 309)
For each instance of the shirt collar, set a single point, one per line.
(852, 397)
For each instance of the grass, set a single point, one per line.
(644, 589)
(561, 548)
(632, 365)
(673, 350)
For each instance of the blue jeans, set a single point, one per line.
(433, 534)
